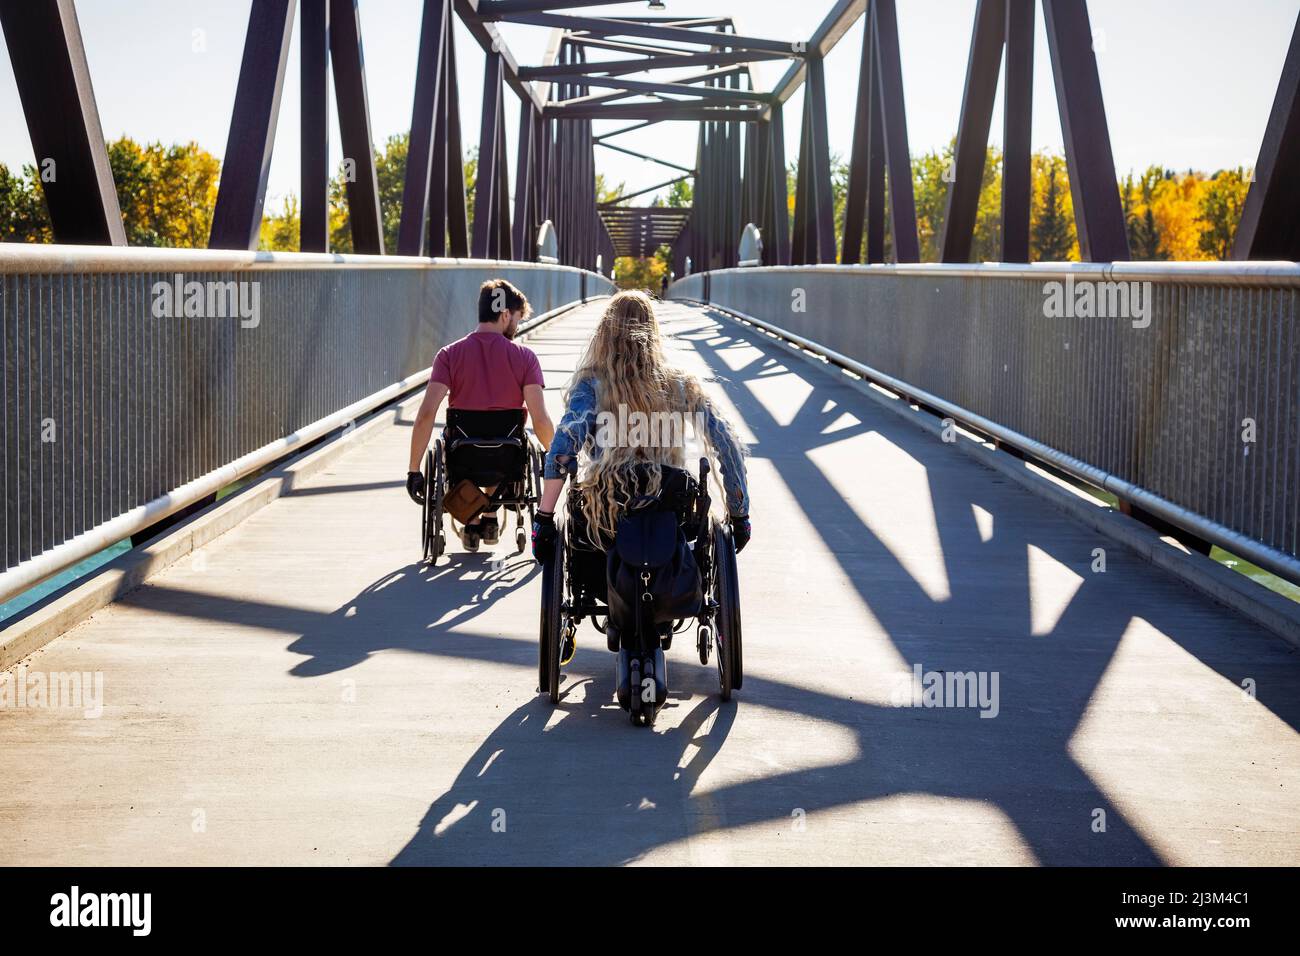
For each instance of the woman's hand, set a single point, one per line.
(544, 536)
(741, 531)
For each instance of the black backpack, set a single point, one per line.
(651, 572)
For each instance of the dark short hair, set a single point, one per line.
(496, 292)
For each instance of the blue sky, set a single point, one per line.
(1187, 83)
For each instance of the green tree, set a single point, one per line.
(23, 216)
(1129, 207)
(1220, 210)
(645, 274)
(186, 192)
(282, 231)
(681, 194)
(1145, 244)
(166, 193)
(1144, 231)
(1052, 231)
(987, 243)
(930, 190)
(136, 182)
(608, 193)
(471, 178)
(390, 169)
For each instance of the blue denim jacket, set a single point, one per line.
(579, 424)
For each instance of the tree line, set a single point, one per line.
(167, 194)
(1169, 215)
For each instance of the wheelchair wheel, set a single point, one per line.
(433, 539)
(552, 624)
(532, 492)
(727, 635)
(535, 458)
(428, 528)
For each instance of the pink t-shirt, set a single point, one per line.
(486, 371)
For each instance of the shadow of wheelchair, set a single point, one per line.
(557, 786)
(410, 609)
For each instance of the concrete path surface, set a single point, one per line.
(302, 690)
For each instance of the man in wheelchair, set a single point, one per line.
(489, 380)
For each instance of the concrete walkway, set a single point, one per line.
(303, 691)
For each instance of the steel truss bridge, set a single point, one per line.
(945, 477)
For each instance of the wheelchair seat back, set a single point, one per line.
(678, 492)
(487, 447)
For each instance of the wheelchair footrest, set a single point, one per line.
(642, 680)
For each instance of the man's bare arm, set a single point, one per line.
(424, 421)
(535, 399)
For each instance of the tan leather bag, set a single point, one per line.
(465, 501)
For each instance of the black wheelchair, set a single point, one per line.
(574, 588)
(490, 448)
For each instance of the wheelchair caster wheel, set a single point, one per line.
(520, 540)
(568, 644)
(704, 643)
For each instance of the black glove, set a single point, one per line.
(544, 536)
(415, 486)
(740, 531)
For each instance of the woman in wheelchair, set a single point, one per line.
(623, 440)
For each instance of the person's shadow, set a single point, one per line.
(577, 784)
(411, 608)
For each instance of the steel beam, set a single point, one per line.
(364, 215)
(1017, 107)
(490, 41)
(237, 217)
(800, 252)
(53, 79)
(855, 201)
(973, 130)
(889, 72)
(644, 64)
(657, 111)
(426, 126)
(1099, 218)
(1270, 220)
(487, 180)
(680, 87)
(502, 9)
(622, 46)
(603, 27)
(647, 158)
(313, 35)
(626, 129)
(525, 184)
(823, 208)
(457, 213)
(829, 32)
(502, 246)
(876, 172)
(779, 193)
(642, 192)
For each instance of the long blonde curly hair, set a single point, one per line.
(625, 361)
